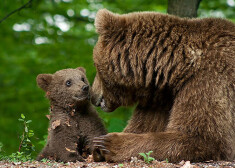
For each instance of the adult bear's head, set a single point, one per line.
(120, 78)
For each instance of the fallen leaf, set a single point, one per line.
(55, 124)
(72, 112)
(70, 150)
(51, 158)
(76, 145)
(48, 116)
(182, 163)
(67, 123)
(187, 165)
(89, 159)
(84, 154)
(17, 163)
(70, 105)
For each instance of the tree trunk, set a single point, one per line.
(183, 8)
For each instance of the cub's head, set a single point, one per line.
(65, 87)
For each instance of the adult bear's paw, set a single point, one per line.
(105, 147)
(115, 147)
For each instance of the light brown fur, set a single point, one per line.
(73, 120)
(181, 72)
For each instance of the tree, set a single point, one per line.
(183, 8)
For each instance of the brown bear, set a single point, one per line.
(181, 74)
(73, 120)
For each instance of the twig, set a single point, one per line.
(16, 10)
(21, 142)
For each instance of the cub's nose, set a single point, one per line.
(85, 88)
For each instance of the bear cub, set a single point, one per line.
(73, 120)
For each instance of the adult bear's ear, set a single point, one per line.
(82, 69)
(44, 80)
(106, 22)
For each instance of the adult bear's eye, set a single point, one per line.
(83, 79)
(68, 83)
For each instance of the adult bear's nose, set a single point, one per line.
(85, 88)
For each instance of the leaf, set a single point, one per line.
(48, 116)
(143, 154)
(29, 121)
(148, 154)
(26, 129)
(167, 160)
(20, 119)
(120, 165)
(22, 116)
(151, 159)
(70, 150)
(55, 124)
(67, 123)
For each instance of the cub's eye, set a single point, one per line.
(83, 79)
(68, 83)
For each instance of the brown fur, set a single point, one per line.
(181, 72)
(73, 121)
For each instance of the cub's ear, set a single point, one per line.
(82, 69)
(107, 22)
(44, 80)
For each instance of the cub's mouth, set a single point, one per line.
(81, 97)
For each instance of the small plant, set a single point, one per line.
(147, 157)
(167, 161)
(1, 155)
(19, 157)
(1, 145)
(26, 147)
(120, 165)
(45, 160)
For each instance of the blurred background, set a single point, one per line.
(49, 35)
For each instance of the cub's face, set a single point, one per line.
(100, 97)
(65, 87)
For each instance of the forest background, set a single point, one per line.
(49, 35)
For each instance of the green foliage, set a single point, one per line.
(26, 148)
(1, 153)
(167, 161)
(51, 35)
(44, 160)
(147, 157)
(120, 165)
(1, 145)
(18, 157)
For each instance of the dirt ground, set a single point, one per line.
(134, 163)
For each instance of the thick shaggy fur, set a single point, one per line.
(181, 72)
(73, 121)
